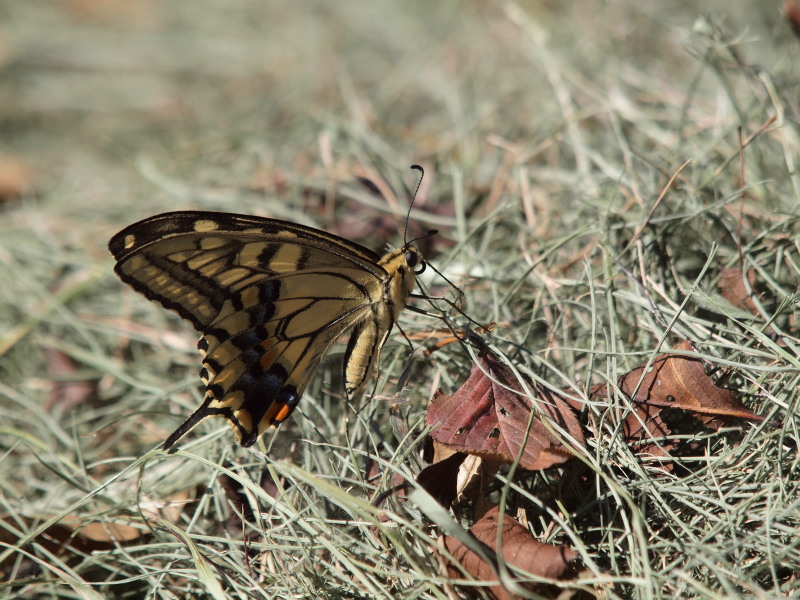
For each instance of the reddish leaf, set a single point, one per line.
(488, 417)
(792, 14)
(518, 548)
(641, 425)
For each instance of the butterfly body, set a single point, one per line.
(270, 298)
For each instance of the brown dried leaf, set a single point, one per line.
(518, 548)
(673, 381)
(472, 477)
(110, 532)
(487, 417)
(16, 177)
(439, 479)
(676, 381)
(74, 536)
(732, 287)
(67, 539)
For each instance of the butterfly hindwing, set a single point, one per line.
(270, 297)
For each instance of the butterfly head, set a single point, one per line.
(414, 260)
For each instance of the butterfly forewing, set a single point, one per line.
(270, 298)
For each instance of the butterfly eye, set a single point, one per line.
(413, 259)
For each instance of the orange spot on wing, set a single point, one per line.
(282, 413)
(276, 413)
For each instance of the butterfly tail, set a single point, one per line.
(246, 437)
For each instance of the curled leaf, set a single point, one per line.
(440, 479)
(493, 415)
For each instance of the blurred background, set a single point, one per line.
(144, 105)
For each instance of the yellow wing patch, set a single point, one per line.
(269, 298)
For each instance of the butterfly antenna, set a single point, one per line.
(413, 198)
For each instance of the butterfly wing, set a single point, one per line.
(270, 298)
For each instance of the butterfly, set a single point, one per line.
(270, 298)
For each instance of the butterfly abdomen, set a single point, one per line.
(367, 340)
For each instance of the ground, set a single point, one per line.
(607, 180)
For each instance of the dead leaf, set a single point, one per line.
(679, 381)
(490, 416)
(110, 532)
(732, 287)
(472, 478)
(518, 549)
(75, 536)
(16, 177)
(68, 539)
(452, 475)
(441, 478)
(792, 14)
(673, 381)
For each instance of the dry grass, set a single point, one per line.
(592, 171)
